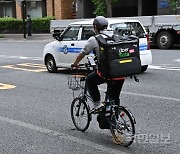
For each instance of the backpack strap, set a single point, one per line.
(114, 37)
(102, 62)
(108, 41)
(101, 40)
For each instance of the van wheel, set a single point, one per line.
(50, 64)
(165, 40)
(144, 68)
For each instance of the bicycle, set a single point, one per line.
(119, 119)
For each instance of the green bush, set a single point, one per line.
(13, 25)
(8, 25)
(41, 25)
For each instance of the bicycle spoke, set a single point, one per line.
(123, 131)
(80, 114)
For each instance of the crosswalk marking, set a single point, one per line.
(6, 86)
(40, 68)
(164, 68)
(27, 67)
(32, 65)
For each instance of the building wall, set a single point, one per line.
(80, 9)
(60, 9)
(50, 7)
(7, 8)
(18, 11)
(89, 12)
(63, 9)
(130, 8)
(149, 7)
(34, 9)
(127, 8)
(163, 7)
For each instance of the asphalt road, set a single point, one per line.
(35, 106)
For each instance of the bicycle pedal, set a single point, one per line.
(95, 111)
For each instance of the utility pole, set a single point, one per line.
(23, 2)
(23, 10)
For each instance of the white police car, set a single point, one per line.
(63, 51)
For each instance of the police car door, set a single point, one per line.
(67, 49)
(86, 32)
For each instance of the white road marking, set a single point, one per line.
(146, 95)
(6, 86)
(178, 60)
(21, 57)
(152, 96)
(26, 41)
(61, 135)
(164, 68)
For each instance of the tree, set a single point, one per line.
(175, 4)
(103, 7)
(108, 8)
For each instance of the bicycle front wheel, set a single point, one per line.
(122, 127)
(80, 114)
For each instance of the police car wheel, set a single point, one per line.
(50, 64)
(144, 68)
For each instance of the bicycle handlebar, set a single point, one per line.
(88, 65)
(85, 65)
(80, 65)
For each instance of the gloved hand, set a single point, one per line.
(74, 65)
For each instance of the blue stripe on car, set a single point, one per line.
(143, 47)
(77, 50)
(72, 50)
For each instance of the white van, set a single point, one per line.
(63, 51)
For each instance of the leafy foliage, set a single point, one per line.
(13, 25)
(100, 6)
(174, 5)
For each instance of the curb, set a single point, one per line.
(20, 37)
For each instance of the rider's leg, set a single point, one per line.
(92, 82)
(115, 90)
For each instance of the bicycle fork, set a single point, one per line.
(80, 112)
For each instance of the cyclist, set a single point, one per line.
(95, 78)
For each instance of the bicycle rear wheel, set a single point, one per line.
(122, 127)
(80, 114)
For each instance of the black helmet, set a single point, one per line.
(100, 22)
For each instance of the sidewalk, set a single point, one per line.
(20, 37)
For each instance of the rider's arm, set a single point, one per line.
(78, 59)
(90, 46)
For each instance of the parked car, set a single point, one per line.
(63, 51)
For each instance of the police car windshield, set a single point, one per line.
(126, 29)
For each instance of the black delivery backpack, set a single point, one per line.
(118, 58)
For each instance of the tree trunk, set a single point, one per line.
(108, 8)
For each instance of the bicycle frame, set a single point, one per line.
(115, 115)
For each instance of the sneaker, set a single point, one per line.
(118, 138)
(97, 107)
